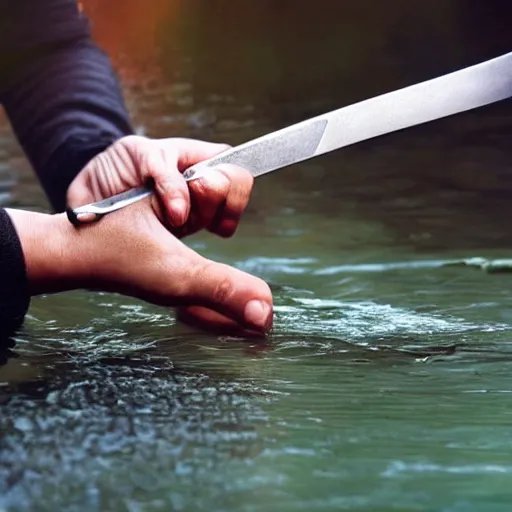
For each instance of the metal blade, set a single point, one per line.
(450, 94)
(447, 95)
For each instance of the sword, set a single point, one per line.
(456, 92)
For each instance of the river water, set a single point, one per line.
(385, 384)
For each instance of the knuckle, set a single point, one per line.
(241, 182)
(203, 272)
(223, 290)
(133, 145)
(130, 139)
(214, 187)
(200, 187)
(172, 185)
(169, 155)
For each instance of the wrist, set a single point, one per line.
(53, 250)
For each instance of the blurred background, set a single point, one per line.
(272, 53)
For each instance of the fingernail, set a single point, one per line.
(258, 314)
(178, 211)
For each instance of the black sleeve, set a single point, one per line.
(58, 89)
(14, 296)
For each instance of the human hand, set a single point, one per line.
(216, 201)
(131, 252)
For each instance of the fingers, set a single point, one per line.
(216, 201)
(135, 254)
(160, 163)
(219, 199)
(230, 293)
(80, 192)
(164, 162)
(213, 322)
(227, 219)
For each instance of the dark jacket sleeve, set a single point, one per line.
(58, 89)
(14, 296)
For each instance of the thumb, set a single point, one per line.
(232, 293)
(80, 191)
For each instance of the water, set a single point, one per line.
(385, 384)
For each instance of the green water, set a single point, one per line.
(386, 382)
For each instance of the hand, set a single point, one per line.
(215, 201)
(131, 252)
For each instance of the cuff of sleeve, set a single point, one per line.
(14, 295)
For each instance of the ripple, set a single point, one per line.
(281, 266)
(382, 267)
(396, 468)
(363, 320)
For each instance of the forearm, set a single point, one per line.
(63, 99)
(54, 254)
(39, 254)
